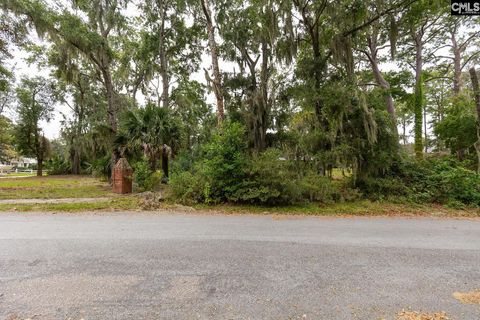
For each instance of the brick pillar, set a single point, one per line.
(122, 177)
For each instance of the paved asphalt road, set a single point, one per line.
(176, 266)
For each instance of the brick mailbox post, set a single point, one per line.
(122, 177)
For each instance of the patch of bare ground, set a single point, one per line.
(472, 297)
(413, 315)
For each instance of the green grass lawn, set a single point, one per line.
(59, 187)
(118, 203)
(53, 187)
(20, 174)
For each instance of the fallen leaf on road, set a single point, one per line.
(412, 315)
(472, 297)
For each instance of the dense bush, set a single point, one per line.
(58, 166)
(268, 180)
(226, 173)
(144, 177)
(216, 176)
(224, 162)
(446, 181)
(319, 188)
(100, 167)
(443, 181)
(190, 188)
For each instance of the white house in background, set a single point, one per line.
(24, 162)
(20, 162)
(17, 163)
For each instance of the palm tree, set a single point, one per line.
(156, 131)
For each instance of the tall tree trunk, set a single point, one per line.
(457, 68)
(153, 162)
(74, 156)
(165, 152)
(418, 105)
(75, 142)
(373, 58)
(165, 82)
(261, 103)
(319, 67)
(76, 162)
(217, 77)
(425, 128)
(40, 167)
(318, 74)
(112, 114)
(476, 91)
(39, 152)
(163, 54)
(111, 100)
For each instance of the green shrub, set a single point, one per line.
(442, 180)
(381, 188)
(224, 161)
(259, 179)
(219, 172)
(318, 188)
(451, 183)
(189, 188)
(58, 166)
(100, 167)
(143, 177)
(268, 180)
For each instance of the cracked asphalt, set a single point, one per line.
(187, 266)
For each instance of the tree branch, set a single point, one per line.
(392, 9)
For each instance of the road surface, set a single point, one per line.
(185, 266)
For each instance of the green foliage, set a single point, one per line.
(443, 181)
(226, 173)
(446, 181)
(36, 97)
(188, 187)
(100, 167)
(380, 188)
(148, 129)
(224, 161)
(458, 127)
(303, 97)
(144, 177)
(316, 188)
(58, 166)
(6, 139)
(268, 180)
(418, 105)
(215, 177)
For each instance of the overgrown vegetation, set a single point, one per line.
(304, 110)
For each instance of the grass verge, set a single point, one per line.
(57, 187)
(19, 174)
(355, 208)
(119, 203)
(53, 187)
